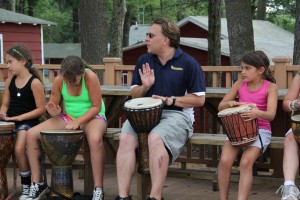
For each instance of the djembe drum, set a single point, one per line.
(7, 140)
(295, 120)
(239, 131)
(61, 147)
(143, 114)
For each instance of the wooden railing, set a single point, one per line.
(116, 74)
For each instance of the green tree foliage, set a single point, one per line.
(282, 13)
(279, 12)
(53, 11)
(145, 11)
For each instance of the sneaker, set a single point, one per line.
(153, 198)
(25, 192)
(98, 194)
(123, 198)
(289, 192)
(36, 191)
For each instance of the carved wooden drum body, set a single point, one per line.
(143, 114)
(7, 141)
(61, 147)
(295, 120)
(239, 131)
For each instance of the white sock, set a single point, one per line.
(289, 182)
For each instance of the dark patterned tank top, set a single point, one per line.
(22, 101)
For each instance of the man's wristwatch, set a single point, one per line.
(174, 100)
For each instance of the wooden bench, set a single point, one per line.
(219, 139)
(111, 139)
(144, 181)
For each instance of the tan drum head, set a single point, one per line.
(296, 118)
(61, 132)
(234, 110)
(4, 126)
(142, 103)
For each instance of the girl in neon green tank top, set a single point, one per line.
(79, 88)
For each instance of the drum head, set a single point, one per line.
(4, 126)
(142, 103)
(61, 132)
(234, 110)
(296, 118)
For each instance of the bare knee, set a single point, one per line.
(289, 140)
(127, 143)
(95, 142)
(225, 163)
(246, 165)
(154, 140)
(20, 150)
(33, 138)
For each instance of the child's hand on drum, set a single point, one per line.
(250, 114)
(233, 104)
(53, 109)
(73, 125)
(297, 104)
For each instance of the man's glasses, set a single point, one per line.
(151, 35)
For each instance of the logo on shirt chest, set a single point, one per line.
(176, 68)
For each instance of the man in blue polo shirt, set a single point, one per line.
(169, 74)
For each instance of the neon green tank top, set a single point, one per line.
(76, 106)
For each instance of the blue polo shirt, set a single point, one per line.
(180, 75)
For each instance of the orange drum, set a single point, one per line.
(239, 131)
(143, 114)
(61, 147)
(295, 119)
(7, 141)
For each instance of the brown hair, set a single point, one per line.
(259, 59)
(170, 30)
(73, 66)
(21, 52)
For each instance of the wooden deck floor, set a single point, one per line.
(175, 188)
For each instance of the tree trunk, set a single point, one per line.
(261, 10)
(117, 28)
(296, 57)
(31, 4)
(214, 33)
(75, 24)
(8, 4)
(126, 27)
(93, 27)
(223, 11)
(161, 8)
(240, 29)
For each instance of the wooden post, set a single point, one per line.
(280, 73)
(109, 73)
(88, 172)
(143, 185)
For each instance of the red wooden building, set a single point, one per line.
(17, 28)
(193, 41)
(271, 39)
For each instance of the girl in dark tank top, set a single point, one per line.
(23, 103)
